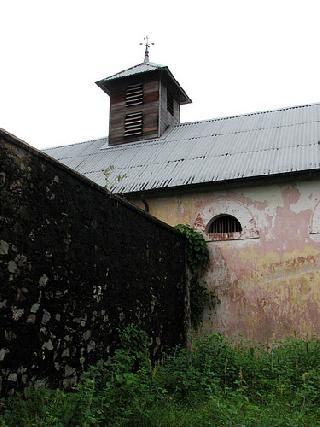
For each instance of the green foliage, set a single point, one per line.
(214, 383)
(38, 407)
(197, 260)
(197, 251)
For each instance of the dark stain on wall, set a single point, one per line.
(77, 264)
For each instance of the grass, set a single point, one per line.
(215, 383)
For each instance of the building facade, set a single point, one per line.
(266, 277)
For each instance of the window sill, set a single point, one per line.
(229, 237)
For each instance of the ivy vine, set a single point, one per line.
(197, 261)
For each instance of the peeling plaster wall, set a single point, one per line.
(268, 281)
(76, 265)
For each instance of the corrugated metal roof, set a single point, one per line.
(266, 143)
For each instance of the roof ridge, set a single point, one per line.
(125, 69)
(75, 143)
(155, 140)
(254, 113)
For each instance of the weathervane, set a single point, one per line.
(147, 45)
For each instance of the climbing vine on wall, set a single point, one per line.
(197, 260)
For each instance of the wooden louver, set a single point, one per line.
(133, 124)
(134, 95)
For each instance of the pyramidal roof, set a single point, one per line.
(143, 68)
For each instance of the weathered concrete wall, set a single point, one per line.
(76, 265)
(268, 281)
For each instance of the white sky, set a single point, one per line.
(231, 57)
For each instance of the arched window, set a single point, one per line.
(224, 227)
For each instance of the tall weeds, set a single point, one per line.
(215, 383)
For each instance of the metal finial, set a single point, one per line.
(147, 45)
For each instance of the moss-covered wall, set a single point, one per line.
(76, 265)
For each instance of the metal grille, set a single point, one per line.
(133, 124)
(134, 95)
(170, 105)
(225, 224)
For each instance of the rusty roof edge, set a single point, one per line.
(240, 180)
(13, 139)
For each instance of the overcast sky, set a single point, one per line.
(231, 57)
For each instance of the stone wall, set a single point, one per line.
(76, 266)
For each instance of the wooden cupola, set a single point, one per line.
(144, 101)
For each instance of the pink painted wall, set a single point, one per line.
(268, 280)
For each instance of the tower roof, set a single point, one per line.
(143, 68)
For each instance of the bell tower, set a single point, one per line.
(144, 100)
